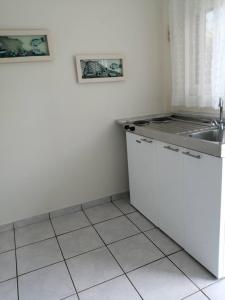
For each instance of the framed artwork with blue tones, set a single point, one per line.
(25, 46)
(100, 67)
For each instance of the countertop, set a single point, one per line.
(178, 132)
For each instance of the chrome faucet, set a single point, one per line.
(220, 123)
(221, 112)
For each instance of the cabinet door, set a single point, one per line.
(202, 193)
(169, 195)
(142, 167)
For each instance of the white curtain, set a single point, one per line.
(197, 30)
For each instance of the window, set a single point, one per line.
(198, 52)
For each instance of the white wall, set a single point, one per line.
(59, 143)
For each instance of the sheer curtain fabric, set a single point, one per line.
(197, 30)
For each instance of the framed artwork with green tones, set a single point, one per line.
(100, 67)
(25, 46)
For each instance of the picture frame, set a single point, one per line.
(92, 68)
(25, 46)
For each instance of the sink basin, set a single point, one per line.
(154, 120)
(160, 120)
(214, 135)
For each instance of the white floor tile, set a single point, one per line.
(124, 205)
(50, 283)
(116, 289)
(70, 222)
(7, 265)
(33, 233)
(102, 212)
(141, 222)
(38, 255)
(134, 252)
(79, 241)
(8, 290)
(216, 291)
(92, 268)
(96, 274)
(199, 275)
(197, 296)
(74, 297)
(116, 229)
(162, 241)
(161, 280)
(6, 241)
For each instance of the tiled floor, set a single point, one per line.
(106, 252)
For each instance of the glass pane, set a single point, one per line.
(101, 68)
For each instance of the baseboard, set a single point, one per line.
(63, 211)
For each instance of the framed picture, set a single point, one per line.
(100, 68)
(24, 45)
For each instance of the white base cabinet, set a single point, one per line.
(142, 164)
(202, 211)
(182, 192)
(169, 186)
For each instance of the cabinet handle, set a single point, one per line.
(192, 155)
(171, 148)
(147, 141)
(137, 141)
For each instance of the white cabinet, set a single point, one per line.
(183, 193)
(202, 175)
(170, 185)
(142, 174)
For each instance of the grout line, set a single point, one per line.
(77, 255)
(125, 213)
(106, 220)
(30, 244)
(48, 214)
(49, 265)
(166, 256)
(149, 263)
(217, 280)
(64, 258)
(139, 228)
(5, 280)
(67, 297)
(67, 232)
(115, 259)
(17, 281)
(105, 245)
(154, 228)
(97, 284)
(186, 297)
(52, 237)
(91, 224)
(7, 251)
(139, 233)
(71, 257)
(205, 294)
(130, 213)
(60, 234)
(125, 238)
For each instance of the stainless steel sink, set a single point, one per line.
(214, 135)
(158, 120)
(161, 120)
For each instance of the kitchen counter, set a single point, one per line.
(177, 180)
(178, 129)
